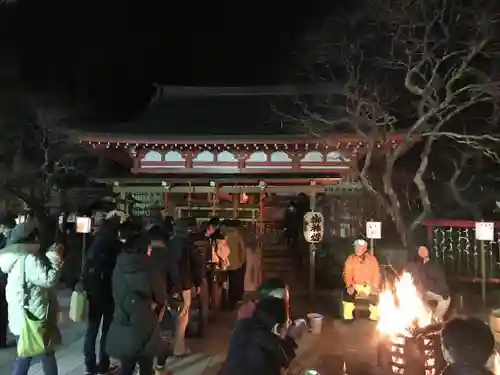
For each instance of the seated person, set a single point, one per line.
(430, 280)
(261, 342)
(467, 345)
(362, 280)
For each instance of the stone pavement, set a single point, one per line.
(207, 360)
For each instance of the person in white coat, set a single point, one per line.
(41, 274)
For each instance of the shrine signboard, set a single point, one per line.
(146, 202)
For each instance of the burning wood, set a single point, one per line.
(403, 316)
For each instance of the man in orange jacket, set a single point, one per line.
(362, 280)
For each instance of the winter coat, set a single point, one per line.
(362, 270)
(236, 247)
(255, 349)
(42, 273)
(188, 259)
(430, 277)
(139, 293)
(166, 261)
(100, 263)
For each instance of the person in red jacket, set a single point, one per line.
(362, 280)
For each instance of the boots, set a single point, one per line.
(374, 313)
(348, 310)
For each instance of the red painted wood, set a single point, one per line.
(473, 279)
(440, 223)
(262, 170)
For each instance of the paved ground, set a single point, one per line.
(353, 345)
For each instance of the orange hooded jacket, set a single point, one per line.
(359, 271)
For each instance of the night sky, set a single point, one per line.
(110, 52)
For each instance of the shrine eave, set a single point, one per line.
(227, 141)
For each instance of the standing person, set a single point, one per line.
(32, 273)
(236, 268)
(430, 280)
(203, 247)
(96, 281)
(191, 275)
(7, 223)
(140, 294)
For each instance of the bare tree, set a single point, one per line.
(36, 153)
(414, 68)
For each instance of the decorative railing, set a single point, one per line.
(454, 245)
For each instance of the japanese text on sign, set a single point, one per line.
(374, 230)
(485, 231)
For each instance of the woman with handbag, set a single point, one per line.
(32, 303)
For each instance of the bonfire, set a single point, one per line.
(403, 315)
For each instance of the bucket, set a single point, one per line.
(315, 322)
(495, 324)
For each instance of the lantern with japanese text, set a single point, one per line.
(314, 224)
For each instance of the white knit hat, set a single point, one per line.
(360, 242)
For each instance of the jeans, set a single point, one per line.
(236, 280)
(48, 360)
(145, 365)
(99, 309)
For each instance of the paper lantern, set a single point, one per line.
(314, 226)
(83, 224)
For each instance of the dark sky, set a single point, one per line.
(111, 51)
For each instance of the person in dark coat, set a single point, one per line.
(255, 346)
(165, 259)
(7, 223)
(467, 345)
(140, 296)
(191, 268)
(96, 281)
(430, 280)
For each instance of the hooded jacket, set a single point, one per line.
(139, 293)
(42, 273)
(100, 261)
(255, 349)
(166, 261)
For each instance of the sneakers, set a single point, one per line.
(111, 370)
(160, 370)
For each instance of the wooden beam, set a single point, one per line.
(224, 189)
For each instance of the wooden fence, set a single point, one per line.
(454, 245)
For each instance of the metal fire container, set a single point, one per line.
(418, 355)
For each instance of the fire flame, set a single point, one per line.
(402, 309)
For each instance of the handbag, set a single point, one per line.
(78, 306)
(35, 337)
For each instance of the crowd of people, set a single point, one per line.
(135, 275)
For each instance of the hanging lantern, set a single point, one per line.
(314, 225)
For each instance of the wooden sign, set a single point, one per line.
(485, 231)
(374, 230)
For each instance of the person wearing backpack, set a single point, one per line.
(140, 295)
(96, 281)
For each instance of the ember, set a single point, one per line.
(402, 315)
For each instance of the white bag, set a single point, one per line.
(78, 306)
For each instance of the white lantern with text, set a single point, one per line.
(314, 226)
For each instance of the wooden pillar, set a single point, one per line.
(190, 198)
(236, 204)
(312, 247)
